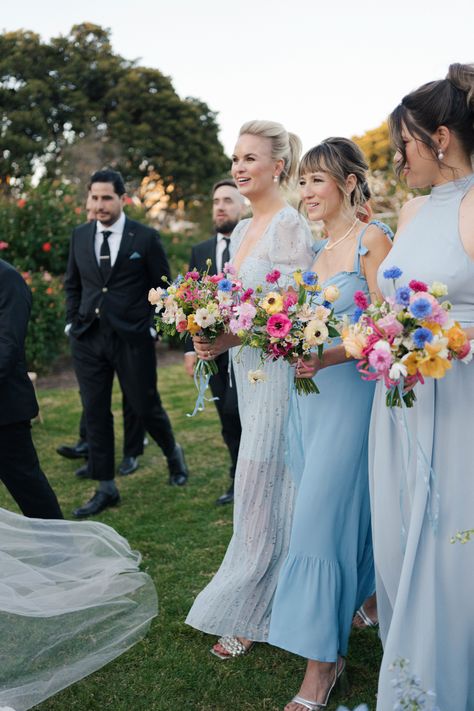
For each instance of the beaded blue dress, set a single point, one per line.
(238, 599)
(425, 584)
(328, 572)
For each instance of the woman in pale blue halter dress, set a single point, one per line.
(425, 585)
(236, 604)
(329, 570)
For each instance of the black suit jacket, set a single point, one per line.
(17, 396)
(122, 300)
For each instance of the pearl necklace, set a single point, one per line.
(341, 239)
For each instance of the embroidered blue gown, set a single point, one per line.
(328, 572)
(425, 585)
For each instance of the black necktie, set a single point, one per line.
(225, 253)
(105, 261)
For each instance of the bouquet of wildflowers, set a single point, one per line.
(405, 338)
(197, 304)
(287, 323)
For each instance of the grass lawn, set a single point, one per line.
(182, 536)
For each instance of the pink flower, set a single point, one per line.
(278, 350)
(380, 359)
(234, 325)
(360, 300)
(216, 278)
(246, 295)
(273, 276)
(3, 245)
(278, 325)
(418, 285)
(181, 326)
(390, 325)
(193, 275)
(464, 351)
(229, 269)
(246, 310)
(290, 298)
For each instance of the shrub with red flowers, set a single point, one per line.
(45, 339)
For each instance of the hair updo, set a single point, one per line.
(446, 102)
(285, 146)
(341, 157)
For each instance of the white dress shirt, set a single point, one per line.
(115, 238)
(220, 246)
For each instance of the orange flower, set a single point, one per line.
(456, 337)
(432, 365)
(192, 326)
(411, 362)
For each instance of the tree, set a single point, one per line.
(375, 144)
(78, 100)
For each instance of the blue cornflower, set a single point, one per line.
(421, 308)
(310, 278)
(224, 285)
(327, 304)
(402, 295)
(179, 279)
(393, 273)
(422, 336)
(357, 314)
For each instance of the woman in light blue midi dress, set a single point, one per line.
(425, 584)
(329, 571)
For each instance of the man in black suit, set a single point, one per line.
(113, 262)
(20, 470)
(133, 430)
(227, 209)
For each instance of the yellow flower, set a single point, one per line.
(298, 277)
(433, 365)
(272, 303)
(411, 362)
(192, 326)
(434, 327)
(438, 289)
(456, 337)
(353, 342)
(331, 293)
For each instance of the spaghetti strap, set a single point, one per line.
(361, 250)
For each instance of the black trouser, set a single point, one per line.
(133, 431)
(227, 407)
(97, 355)
(21, 473)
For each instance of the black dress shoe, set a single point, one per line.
(75, 451)
(98, 503)
(128, 466)
(177, 467)
(228, 497)
(83, 472)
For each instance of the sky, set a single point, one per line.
(320, 68)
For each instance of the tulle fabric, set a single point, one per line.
(72, 598)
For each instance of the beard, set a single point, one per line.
(225, 227)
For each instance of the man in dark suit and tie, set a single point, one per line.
(227, 209)
(113, 262)
(19, 467)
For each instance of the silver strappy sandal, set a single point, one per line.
(233, 647)
(316, 705)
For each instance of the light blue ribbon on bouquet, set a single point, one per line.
(201, 380)
(430, 480)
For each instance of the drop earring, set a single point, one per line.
(275, 178)
(440, 155)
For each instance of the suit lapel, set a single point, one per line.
(126, 243)
(212, 254)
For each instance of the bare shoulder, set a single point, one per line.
(466, 222)
(377, 237)
(409, 210)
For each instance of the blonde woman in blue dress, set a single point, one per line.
(425, 585)
(329, 570)
(236, 604)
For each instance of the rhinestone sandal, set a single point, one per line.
(232, 646)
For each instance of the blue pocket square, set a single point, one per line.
(135, 255)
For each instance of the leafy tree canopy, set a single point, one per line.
(72, 105)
